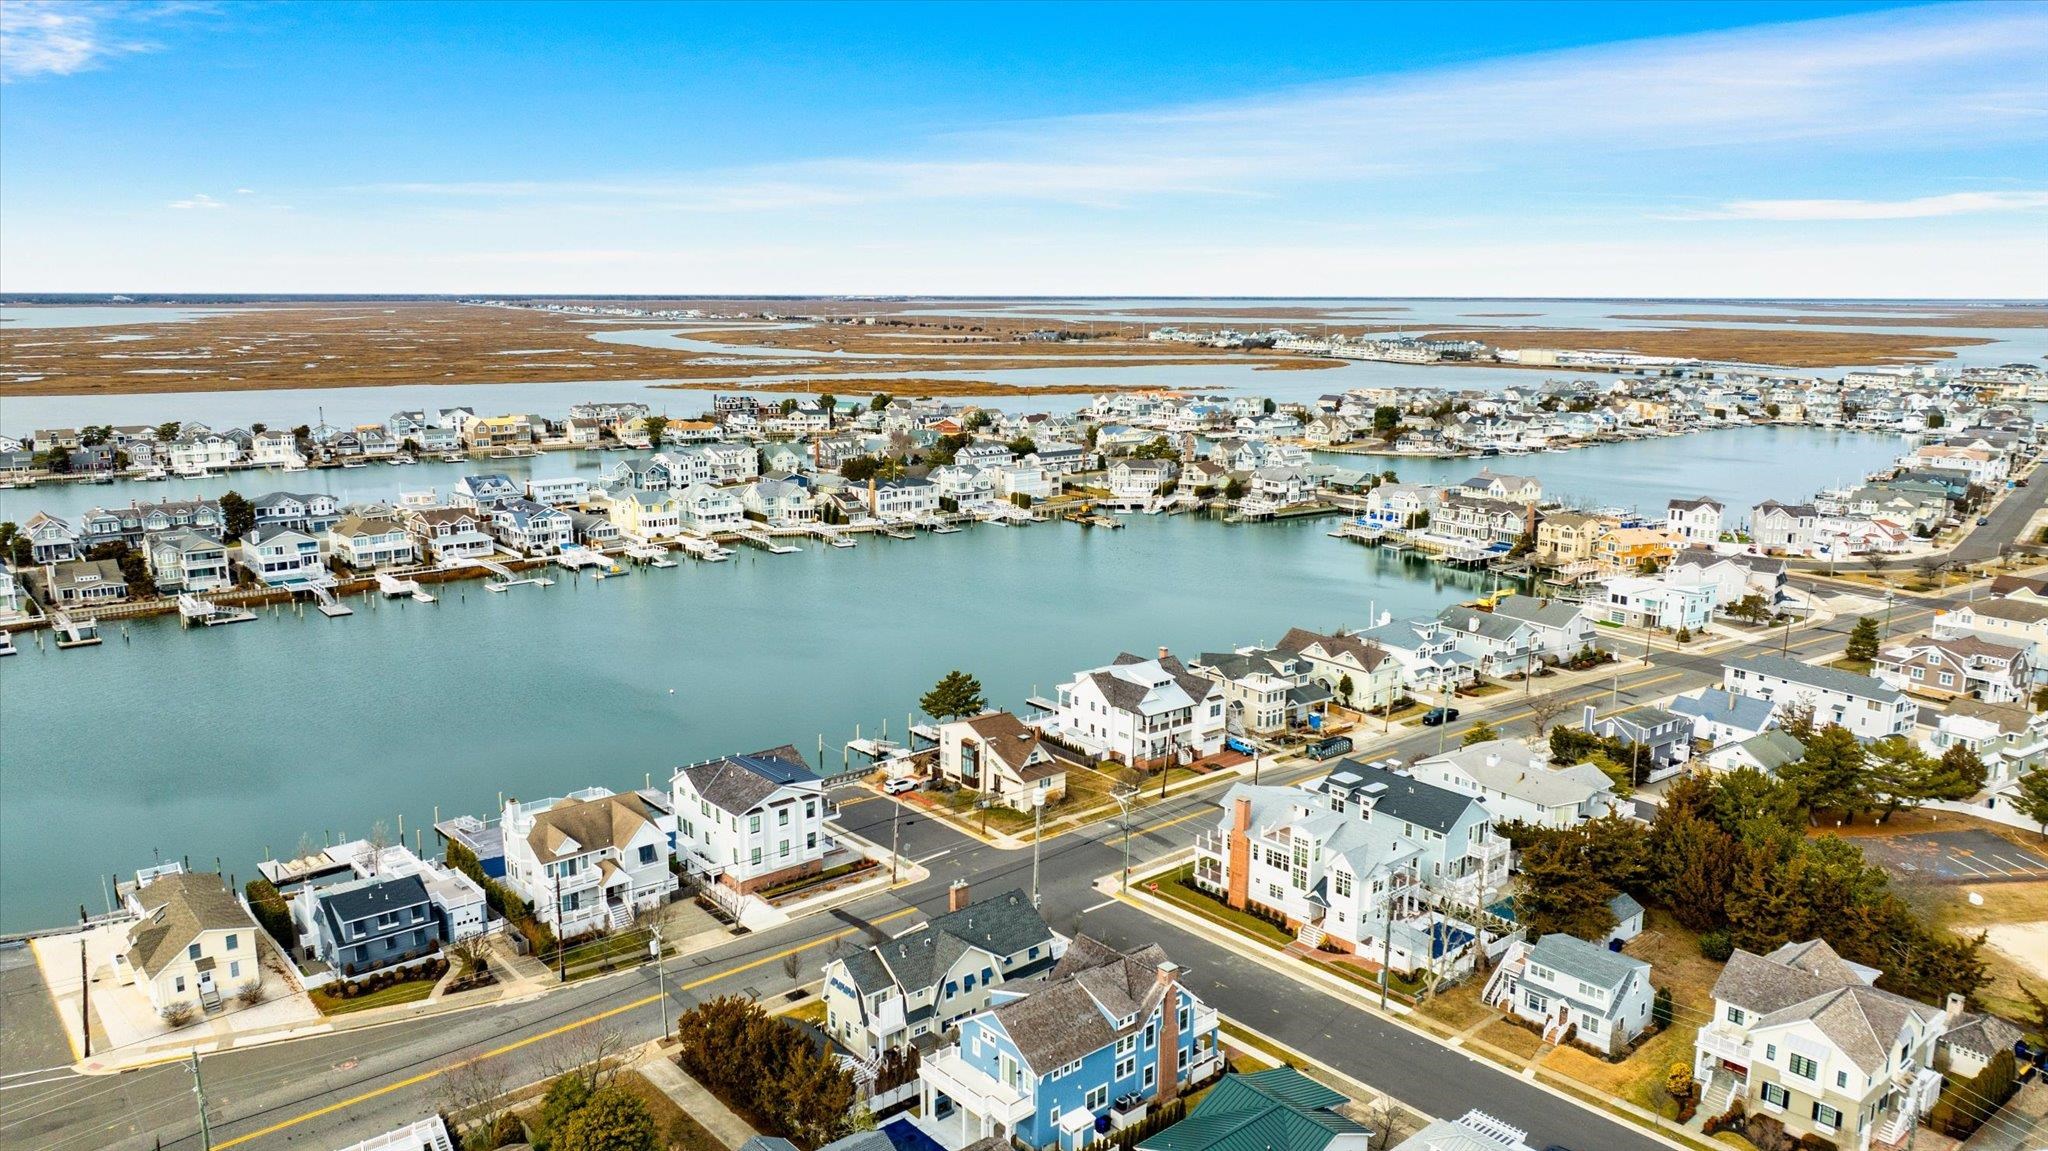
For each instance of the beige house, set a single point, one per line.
(192, 944)
(1374, 672)
(1569, 537)
(1001, 757)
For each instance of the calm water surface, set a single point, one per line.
(224, 742)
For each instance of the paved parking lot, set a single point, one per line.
(1954, 857)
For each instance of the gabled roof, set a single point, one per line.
(1071, 1011)
(1367, 655)
(588, 825)
(1009, 739)
(176, 909)
(1743, 712)
(363, 898)
(1403, 797)
(1551, 613)
(1590, 962)
(1823, 678)
(1002, 925)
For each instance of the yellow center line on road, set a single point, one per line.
(508, 1048)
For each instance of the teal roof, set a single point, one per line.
(1276, 1110)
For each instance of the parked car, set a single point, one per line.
(1325, 748)
(1982, 520)
(899, 786)
(1437, 715)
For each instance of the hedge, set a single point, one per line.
(267, 903)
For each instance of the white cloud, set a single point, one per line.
(245, 191)
(1918, 208)
(197, 200)
(61, 37)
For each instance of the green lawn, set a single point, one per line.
(411, 991)
(1171, 888)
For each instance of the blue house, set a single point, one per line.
(1065, 1060)
(368, 924)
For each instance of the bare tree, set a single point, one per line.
(1545, 707)
(792, 965)
(1877, 562)
(473, 954)
(592, 1050)
(1378, 1117)
(474, 1090)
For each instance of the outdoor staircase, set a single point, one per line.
(1898, 1124)
(621, 916)
(1310, 936)
(1719, 1093)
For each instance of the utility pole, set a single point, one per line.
(85, 1000)
(561, 960)
(199, 1092)
(1386, 938)
(1123, 802)
(661, 981)
(1037, 833)
(895, 814)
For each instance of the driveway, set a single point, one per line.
(31, 1038)
(1954, 857)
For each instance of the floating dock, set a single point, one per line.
(766, 542)
(507, 579)
(74, 633)
(329, 605)
(192, 609)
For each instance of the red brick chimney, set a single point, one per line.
(1169, 1032)
(1240, 861)
(956, 895)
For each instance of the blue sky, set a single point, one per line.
(1498, 149)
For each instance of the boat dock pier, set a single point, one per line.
(832, 535)
(327, 602)
(577, 558)
(394, 587)
(506, 577)
(697, 547)
(84, 632)
(192, 609)
(766, 542)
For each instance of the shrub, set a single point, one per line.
(1716, 945)
(271, 912)
(177, 1014)
(1660, 1007)
(251, 993)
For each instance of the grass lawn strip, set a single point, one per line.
(411, 991)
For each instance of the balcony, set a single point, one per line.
(1728, 1045)
(973, 1090)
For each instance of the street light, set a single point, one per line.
(1037, 833)
(1123, 797)
(660, 978)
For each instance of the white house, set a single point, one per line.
(1140, 479)
(1696, 521)
(1787, 528)
(451, 534)
(1573, 988)
(1372, 672)
(525, 526)
(558, 491)
(1865, 706)
(1140, 711)
(1518, 784)
(1723, 717)
(591, 860)
(750, 821)
(364, 542)
(903, 498)
(1560, 628)
(1660, 601)
(706, 509)
(282, 557)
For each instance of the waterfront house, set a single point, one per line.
(451, 534)
(1061, 459)
(368, 925)
(1959, 667)
(1500, 644)
(1564, 538)
(1733, 577)
(85, 583)
(1558, 629)
(1025, 479)
(1868, 707)
(558, 491)
(1480, 522)
(435, 439)
(1105, 1034)
(1373, 673)
(51, 540)
(1659, 741)
(186, 561)
(363, 542)
(1657, 601)
(485, 492)
(1265, 691)
(1695, 521)
(1001, 758)
(309, 512)
(750, 821)
(281, 557)
(1802, 1036)
(925, 980)
(966, 486)
(1574, 990)
(706, 509)
(1721, 717)
(10, 597)
(498, 431)
(647, 515)
(1518, 784)
(530, 528)
(191, 942)
(779, 502)
(1141, 712)
(593, 530)
(1632, 549)
(202, 454)
(732, 462)
(591, 860)
(1278, 1109)
(1984, 467)
(1787, 529)
(1140, 479)
(1509, 489)
(903, 498)
(275, 447)
(1399, 506)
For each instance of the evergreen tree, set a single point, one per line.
(2032, 800)
(1617, 849)
(1749, 805)
(238, 516)
(1695, 866)
(1559, 893)
(956, 694)
(613, 1120)
(1863, 640)
(1762, 912)
(1481, 732)
(1959, 774)
(1829, 777)
(1899, 774)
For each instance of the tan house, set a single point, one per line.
(1571, 537)
(1961, 667)
(192, 943)
(1001, 757)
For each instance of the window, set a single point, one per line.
(192, 952)
(754, 825)
(1842, 1079)
(234, 942)
(1126, 1067)
(1826, 1116)
(1151, 1036)
(782, 818)
(1151, 1074)
(647, 853)
(1776, 1096)
(235, 969)
(1097, 1096)
(1770, 1053)
(1735, 1015)
(1803, 1067)
(178, 984)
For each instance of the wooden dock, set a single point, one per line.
(75, 632)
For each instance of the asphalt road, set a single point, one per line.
(334, 1089)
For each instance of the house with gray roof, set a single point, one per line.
(1660, 741)
(1867, 707)
(1138, 711)
(192, 941)
(1722, 717)
(368, 924)
(1502, 645)
(1575, 991)
(1765, 751)
(1518, 782)
(1560, 628)
(1264, 690)
(750, 821)
(1804, 1036)
(921, 983)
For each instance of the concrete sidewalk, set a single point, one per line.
(661, 1070)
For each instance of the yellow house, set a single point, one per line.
(1571, 537)
(499, 431)
(1625, 549)
(649, 515)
